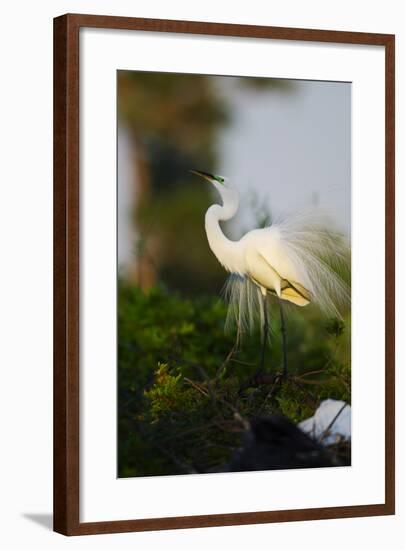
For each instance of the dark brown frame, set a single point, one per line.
(66, 273)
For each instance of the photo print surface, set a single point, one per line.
(233, 305)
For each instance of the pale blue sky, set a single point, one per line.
(292, 149)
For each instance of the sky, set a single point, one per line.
(291, 149)
(286, 149)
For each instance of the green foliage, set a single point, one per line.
(184, 396)
(175, 231)
(167, 396)
(335, 327)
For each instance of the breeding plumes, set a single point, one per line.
(296, 259)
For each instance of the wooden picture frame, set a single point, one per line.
(67, 283)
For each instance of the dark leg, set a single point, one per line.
(284, 338)
(265, 332)
(261, 377)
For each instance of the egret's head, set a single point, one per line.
(228, 193)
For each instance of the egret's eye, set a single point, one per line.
(219, 179)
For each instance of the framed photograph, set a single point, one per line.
(223, 274)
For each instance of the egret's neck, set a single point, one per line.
(228, 252)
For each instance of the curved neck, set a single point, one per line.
(227, 252)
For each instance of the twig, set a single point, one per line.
(245, 363)
(271, 393)
(309, 373)
(196, 386)
(327, 430)
(233, 350)
(302, 388)
(259, 379)
(215, 398)
(313, 382)
(203, 374)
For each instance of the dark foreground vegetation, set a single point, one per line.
(189, 401)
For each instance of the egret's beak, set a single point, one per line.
(205, 175)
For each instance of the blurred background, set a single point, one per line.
(285, 144)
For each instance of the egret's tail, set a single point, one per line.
(322, 257)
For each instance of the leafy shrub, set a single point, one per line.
(185, 394)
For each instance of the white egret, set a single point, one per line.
(293, 259)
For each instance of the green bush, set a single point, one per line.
(184, 398)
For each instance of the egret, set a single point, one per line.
(296, 259)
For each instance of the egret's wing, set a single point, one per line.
(312, 257)
(295, 293)
(292, 292)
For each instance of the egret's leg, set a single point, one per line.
(284, 338)
(265, 331)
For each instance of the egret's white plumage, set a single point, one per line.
(298, 258)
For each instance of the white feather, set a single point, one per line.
(299, 258)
